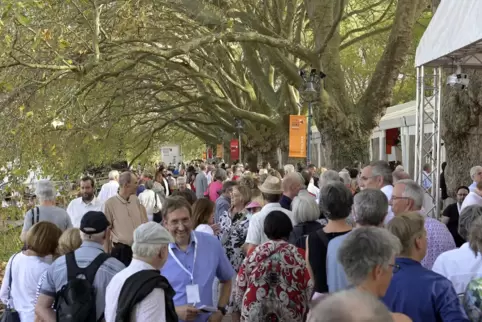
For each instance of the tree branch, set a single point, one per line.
(365, 36)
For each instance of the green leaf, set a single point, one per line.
(23, 20)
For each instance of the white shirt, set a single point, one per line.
(388, 190)
(77, 209)
(256, 235)
(148, 199)
(314, 190)
(209, 177)
(108, 190)
(151, 309)
(460, 266)
(471, 199)
(26, 273)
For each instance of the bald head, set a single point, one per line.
(292, 184)
(350, 306)
(127, 183)
(400, 175)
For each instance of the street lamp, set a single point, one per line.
(239, 126)
(310, 93)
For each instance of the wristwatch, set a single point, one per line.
(222, 309)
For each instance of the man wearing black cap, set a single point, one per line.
(94, 228)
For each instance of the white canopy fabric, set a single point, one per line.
(454, 34)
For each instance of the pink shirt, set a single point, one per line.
(213, 189)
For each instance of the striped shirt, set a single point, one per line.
(56, 276)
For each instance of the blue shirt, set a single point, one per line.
(335, 274)
(285, 202)
(423, 295)
(211, 262)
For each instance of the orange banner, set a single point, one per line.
(204, 155)
(219, 151)
(298, 130)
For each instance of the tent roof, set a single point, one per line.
(454, 34)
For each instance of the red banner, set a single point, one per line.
(298, 130)
(234, 150)
(210, 153)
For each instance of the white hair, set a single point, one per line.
(345, 176)
(99, 237)
(413, 191)
(113, 175)
(181, 180)
(45, 190)
(149, 240)
(305, 209)
(473, 171)
(327, 177)
(289, 168)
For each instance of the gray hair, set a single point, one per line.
(382, 168)
(125, 178)
(149, 184)
(149, 240)
(364, 249)
(473, 171)
(350, 306)
(289, 168)
(335, 200)
(467, 218)
(327, 177)
(98, 238)
(400, 175)
(181, 180)
(45, 190)
(413, 191)
(370, 207)
(304, 209)
(345, 177)
(220, 174)
(113, 175)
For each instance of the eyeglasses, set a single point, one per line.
(462, 194)
(395, 267)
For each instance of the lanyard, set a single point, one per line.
(191, 274)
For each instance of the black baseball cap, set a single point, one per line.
(94, 222)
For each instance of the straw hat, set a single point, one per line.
(271, 185)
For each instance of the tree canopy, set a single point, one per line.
(91, 81)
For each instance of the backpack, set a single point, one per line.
(75, 302)
(33, 215)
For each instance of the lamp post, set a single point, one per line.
(310, 93)
(239, 126)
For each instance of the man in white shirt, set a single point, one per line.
(271, 190)
(473, 198)
(110, 188)
(426, 178)
(476, 176)
(150, 253)
(87, 202)
(428, 206)
(378, 175)
(461, 265)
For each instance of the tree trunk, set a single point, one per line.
(462, 131)
(344, 150)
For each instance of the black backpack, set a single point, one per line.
(75, 302)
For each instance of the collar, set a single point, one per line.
(92, 244)
(407, 261)
(191, 242)
(387, 189)
(272, 205)
(122, 199)
(137, 263)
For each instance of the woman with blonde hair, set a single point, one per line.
(25, 268)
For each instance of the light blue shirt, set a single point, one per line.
(211, 262)
(335, 274)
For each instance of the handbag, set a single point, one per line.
(10, 315)
(156, 216)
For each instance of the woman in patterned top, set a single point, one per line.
(273, 282)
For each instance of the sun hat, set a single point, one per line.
(272, 185)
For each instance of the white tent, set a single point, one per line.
(453, 37)
(454, 34)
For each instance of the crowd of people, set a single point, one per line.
(266, 245)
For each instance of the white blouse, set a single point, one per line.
(26, 272)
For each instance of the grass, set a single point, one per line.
(10, 243)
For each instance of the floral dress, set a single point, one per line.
(233, 235)
(273, 284)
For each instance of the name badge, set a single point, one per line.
(192, 292)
